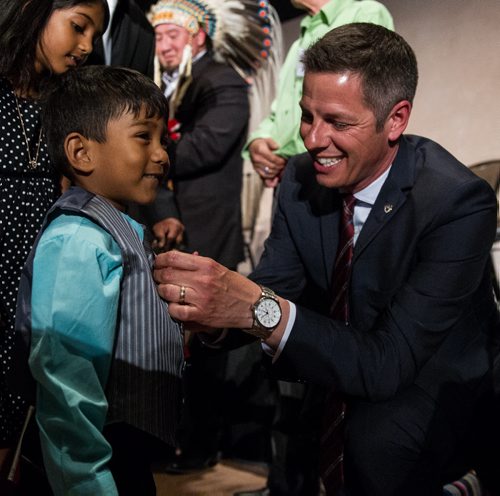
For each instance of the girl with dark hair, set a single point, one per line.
(38, 38)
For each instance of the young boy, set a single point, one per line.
(105, 354)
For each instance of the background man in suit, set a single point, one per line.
(209, 100)
(209, 112)
(128, 41)
(408, 350)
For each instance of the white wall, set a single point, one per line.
(457, 43)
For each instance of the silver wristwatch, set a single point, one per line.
(266, 314)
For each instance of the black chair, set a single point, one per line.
(490, 172)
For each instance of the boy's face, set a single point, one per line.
(132, 162)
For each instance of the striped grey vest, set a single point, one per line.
(144, 385)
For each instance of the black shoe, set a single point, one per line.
(264, 491)
(190, 465)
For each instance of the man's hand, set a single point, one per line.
(204, 294)
(168, 233)
(213, 296)
(265, 161)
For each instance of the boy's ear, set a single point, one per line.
(76, 148)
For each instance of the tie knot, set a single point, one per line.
(348, 199)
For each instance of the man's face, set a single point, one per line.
(170, 42)
(339, 131)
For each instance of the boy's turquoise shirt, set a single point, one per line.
(72, 348)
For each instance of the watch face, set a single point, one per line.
(268, 313)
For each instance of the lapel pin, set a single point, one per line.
(387, 208)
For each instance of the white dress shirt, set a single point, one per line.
(106, 37)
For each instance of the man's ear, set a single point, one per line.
(398, 119)
(199, 40)
(77, 152)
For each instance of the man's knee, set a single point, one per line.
(386, 452)
(368, 455)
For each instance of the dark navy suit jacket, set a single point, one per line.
(421, 301)
(133, 40)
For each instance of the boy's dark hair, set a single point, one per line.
(86, 99)
(384, 61)
(21, 26)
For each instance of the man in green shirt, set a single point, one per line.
(277, 137)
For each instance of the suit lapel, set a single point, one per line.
(390, 199)
(201, 63)
(187, 99)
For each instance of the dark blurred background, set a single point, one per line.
(285, 9)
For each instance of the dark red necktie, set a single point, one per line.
(342, 269)
(332, 439)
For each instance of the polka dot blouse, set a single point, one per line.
(25, 197)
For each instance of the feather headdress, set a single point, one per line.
(243, 32)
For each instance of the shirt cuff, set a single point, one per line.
(102, 484)
(288, 329)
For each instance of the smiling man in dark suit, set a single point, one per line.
(403, 344)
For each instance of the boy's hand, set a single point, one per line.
(168, 233)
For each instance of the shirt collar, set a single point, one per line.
(326, 15)
(169, 78)
(112, 7)
(199, 55)
(369, 194)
